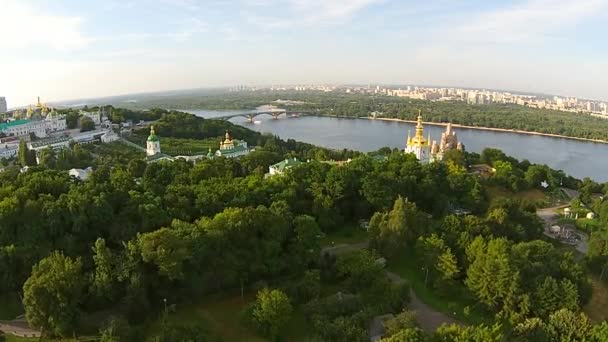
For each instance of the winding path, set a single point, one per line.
(428, 318)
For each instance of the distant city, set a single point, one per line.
(471, 96)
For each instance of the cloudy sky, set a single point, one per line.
(69, 49)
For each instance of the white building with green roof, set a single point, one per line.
(281, 167)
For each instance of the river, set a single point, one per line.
(577, 158)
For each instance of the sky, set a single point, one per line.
(70, 49)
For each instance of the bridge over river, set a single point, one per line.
(274, 113)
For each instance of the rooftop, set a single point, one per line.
(14, 123)
(287, 163)
(49, 141)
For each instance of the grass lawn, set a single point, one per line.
(531, 195)
(221, 316)
(10, 306)
(596, 308)
(407, 267)
(348, 234)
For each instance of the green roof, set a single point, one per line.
(287, 163)
(14, 123)
(153, 137)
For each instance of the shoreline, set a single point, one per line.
(505, 130)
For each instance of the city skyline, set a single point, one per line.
(70, 50)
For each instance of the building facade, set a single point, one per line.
(3, 106)
(418, 145)
(153, 143)
(428, 151)
(280, 167)
(232, 148)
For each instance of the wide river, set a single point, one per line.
(577, 158)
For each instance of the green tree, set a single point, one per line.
(447, 266)
(86, 124)
(105, 271)
(429, 249)
(53, 293)
(407, 335)
(48, 158)
(404, 320)
(25, 156)
(478, 333)
(271, 311)
(306, 244)
(391, 232)
(71, 119)
(491, 275)
(165, 249)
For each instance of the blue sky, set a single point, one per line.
(68, 49)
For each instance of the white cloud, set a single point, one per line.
(190, 28)
(317, 10)
(526, 21)
(26, 26)
(303, 12)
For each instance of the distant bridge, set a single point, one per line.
(274, 113)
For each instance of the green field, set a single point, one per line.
(348, 234)
(221, 316)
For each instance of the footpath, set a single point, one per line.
(428, 318)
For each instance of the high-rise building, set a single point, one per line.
(3, 107)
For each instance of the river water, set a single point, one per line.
(577, 158)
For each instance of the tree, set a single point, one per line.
(271, 311)
(391, 232)
(166, 250)
(477, 333)
(306, 245)
(104, 277)
(404, 320)
(407, 335)
(53, 293)
(71, 119)
(25, 156)
(48, 158)
(447, 266)
(491, 275)
(429, 249)
(565, 325)
(86, 124)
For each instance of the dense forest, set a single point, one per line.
(506, 116)
(134, 242)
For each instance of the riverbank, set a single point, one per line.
(492, 129)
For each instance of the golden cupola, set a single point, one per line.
(418, 139)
